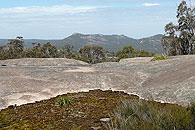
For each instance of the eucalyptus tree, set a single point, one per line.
(180, 38)
(15, 48)
(91, 54)
(127, 52)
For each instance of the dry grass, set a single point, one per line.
(143, 115)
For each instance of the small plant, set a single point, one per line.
(61, 101)
(67, 100)
(158, 57)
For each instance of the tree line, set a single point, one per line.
(179, 39)
(90, 54)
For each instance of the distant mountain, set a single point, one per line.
(3, 42)
(28, 42)
(114, 42)
(152, 43)
(109, 42)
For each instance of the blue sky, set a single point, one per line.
(57, 19)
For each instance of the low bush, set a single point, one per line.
(158, 57)
(61, 101)
(143, 115)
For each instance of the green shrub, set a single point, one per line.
(144, 115)
(67, 100)
(61, 101)
(158, 57)
(191, 108)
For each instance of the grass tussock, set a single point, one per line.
(62, 101)
(159, 57)
(143, 115)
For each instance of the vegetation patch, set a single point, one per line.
(158, 57)
(63, 101)
(82, 112)
(150, 115)
(87, 110)
(91, 54)
(179, 38)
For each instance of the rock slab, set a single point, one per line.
(29, 80)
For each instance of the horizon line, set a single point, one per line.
(79, 33)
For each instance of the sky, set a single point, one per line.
(57, 19)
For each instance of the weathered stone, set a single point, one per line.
(105, 119)
(29, 80)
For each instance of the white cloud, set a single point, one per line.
(39, 15)
(37, 10)
(151, 4)
(61, 21)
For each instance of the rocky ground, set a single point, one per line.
(28, 80)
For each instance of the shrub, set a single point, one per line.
(67, 100)
(61, 101)
(144, 115)
(158, 57)
(191, 108)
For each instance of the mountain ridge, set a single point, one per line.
(112, 42)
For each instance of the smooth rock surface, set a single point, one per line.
(29, 80)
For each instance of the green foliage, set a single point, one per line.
(13, 50)
(158, 57)
(130, 52)
(91, 54)
(132, 114)
(62, 101)
(127, 52)
(67, 52)
(191, 108)
(143, 115)
(179, 38)
(142, 53)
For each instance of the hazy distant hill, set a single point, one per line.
(3, 41)
(109, 42)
